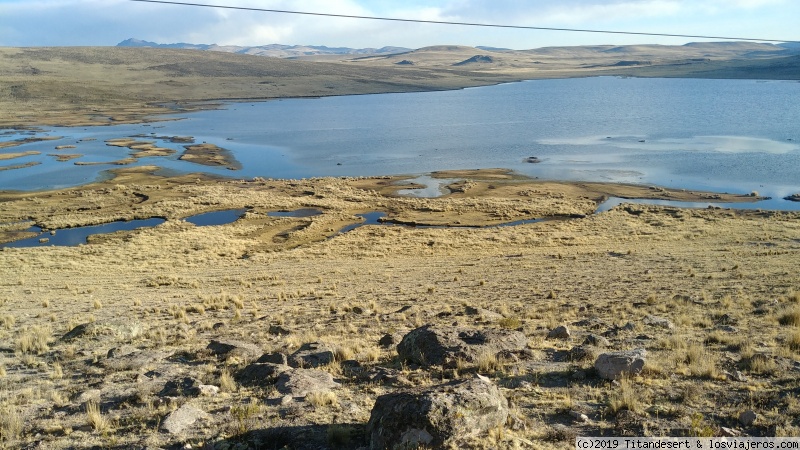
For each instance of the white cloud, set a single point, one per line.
(106, 22)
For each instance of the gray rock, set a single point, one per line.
(438, 416)
(208, 390)
(186, 386)
(596, 340)
(274, 358)
(579, 416)
(444, 346)
(132, 361)
(300, 382)
(313, 354)
(656, 321)
(559, 332)
(230, 348)
(748, 417)
(278, 330)
(581, 353)
(390, 340)
(616, 365)
(182, 418)
(260, 374)
(484, 314)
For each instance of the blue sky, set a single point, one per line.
(107, 22)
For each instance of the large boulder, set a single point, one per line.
(616, 365)
(443, 346)
(438, 416)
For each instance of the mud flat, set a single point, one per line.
(210, 155)
(20, 166)
(6, 156)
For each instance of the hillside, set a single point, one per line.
(105, 85)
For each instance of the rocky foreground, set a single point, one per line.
(275, 332)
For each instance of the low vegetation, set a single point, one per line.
(104, 343)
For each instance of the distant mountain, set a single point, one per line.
(273, 50)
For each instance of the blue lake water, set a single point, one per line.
(723, 135)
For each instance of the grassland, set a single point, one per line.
(101, 343)
(726, 281)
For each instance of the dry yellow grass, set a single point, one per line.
(726, 279)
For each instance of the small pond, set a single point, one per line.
(71, 237)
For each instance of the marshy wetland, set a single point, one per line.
(270, 327)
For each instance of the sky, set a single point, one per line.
(108, 22)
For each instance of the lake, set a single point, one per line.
(723, 135)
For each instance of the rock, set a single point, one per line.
(577, 415)
(484, 314)
(229, 348)
(736, 376)
(278, 330)
(616, 365)
(274, 358)
(390, 340)
(656, 321)
(559, 332)
(748, 417)
(186, 386)
(596, 340)
(384, 375)
(208, 390)
(313, 354)
(182, 418)
(591, 323)
(260, 374)
(580, 353)
(729, 432)
(132, 361)
(299, 382)
(437, 416)
(443, 346)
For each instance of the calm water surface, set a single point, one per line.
(727, 135)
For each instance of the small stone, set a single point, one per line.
(729, 432)
(208, 390)
(560, 332)
(182, 418)
(736, 376)
(579, 416)
(747, 418)
(286, 399)
(278, 330)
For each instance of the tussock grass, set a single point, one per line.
(34, 340)
(790, 317)
(226, 381)
(625, 397)
(321, 399)
(95, 418)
